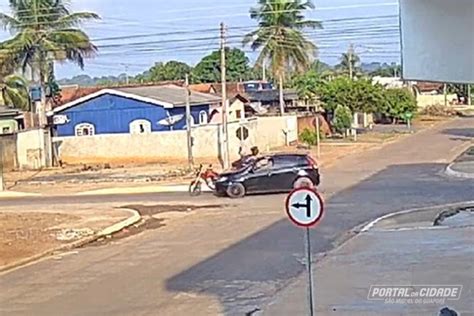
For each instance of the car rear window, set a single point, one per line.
(289, 161)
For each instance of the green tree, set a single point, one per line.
(280, 39)
(45, 31)
(398, 102)
(307, 83)
(209, 68)
(342, 119)
(14, 92)
(349, 64)
(387, 71)
(172, 70)
(358, 95)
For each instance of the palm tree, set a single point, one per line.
(14, 92)
(349, 63)
(281, 40)
(44, 31)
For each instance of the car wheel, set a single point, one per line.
(236, 190)
(303, 182)
(195, 188)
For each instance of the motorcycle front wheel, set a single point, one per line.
(195, 188)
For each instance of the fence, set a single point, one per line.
(265, 132)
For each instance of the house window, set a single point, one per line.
(85, 129)
(203, 117)
(238, 114)
(140, 127)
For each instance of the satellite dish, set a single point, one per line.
(171, 119)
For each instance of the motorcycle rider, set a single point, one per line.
(246, 159)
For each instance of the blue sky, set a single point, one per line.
(370, 24)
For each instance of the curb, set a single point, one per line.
(458, 174)
(16, 195)
(371, 224)
(135, 218)
(141, 190)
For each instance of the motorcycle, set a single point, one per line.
(205, 176)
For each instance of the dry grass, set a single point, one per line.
(26, 234)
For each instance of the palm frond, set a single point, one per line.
(9, 22)
(76, 19)
(279, 35)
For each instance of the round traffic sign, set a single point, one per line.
(304, 207)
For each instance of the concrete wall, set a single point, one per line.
(266, 133)
(424, 100)
(31, 147)
(8, 151)
(309, 122)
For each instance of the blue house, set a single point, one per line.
(134, 110)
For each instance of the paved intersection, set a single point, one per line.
(234, 259)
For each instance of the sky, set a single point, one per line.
(147, 31)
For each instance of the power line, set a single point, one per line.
(323, 34)
(207, 8)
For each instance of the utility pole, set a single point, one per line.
(188, 124)
(350, 52)
(2, 186)
(469, 98)
(127, 79)
(445, 92)
(264, 71)
(225, 132)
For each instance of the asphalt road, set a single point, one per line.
(235, 259)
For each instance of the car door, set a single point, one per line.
(259, 177)
(283, 174)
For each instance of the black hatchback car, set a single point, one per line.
(270, 174)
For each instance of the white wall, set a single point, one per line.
(438, 40)
(30, 149)
(268, 132)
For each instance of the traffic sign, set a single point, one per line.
(304, 207)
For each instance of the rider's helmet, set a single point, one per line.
(255, 151)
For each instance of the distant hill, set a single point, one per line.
(85, 80)
(371, 67)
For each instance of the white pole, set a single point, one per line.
(188, 124)
(2, 185)
(318, 137)
(225, 142)
(469, 98)
(310, 272)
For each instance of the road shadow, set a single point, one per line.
(246, 275)
(459, 132)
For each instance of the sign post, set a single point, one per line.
(408, 117)
(305, 208)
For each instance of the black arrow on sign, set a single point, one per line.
(307, 205)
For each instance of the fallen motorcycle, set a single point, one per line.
(205, 176)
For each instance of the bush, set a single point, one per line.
(398, 102)
(342, 119)
(309, 137)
